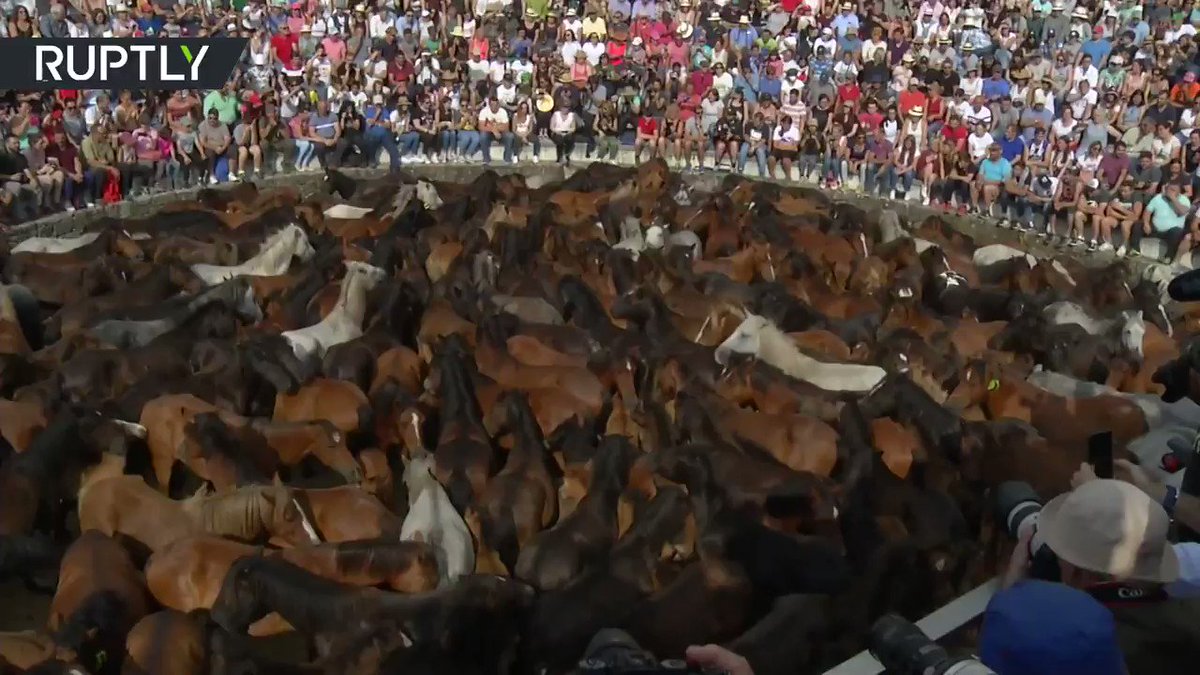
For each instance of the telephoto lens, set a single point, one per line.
(1017, 508)
(903, 649)
(614, 652)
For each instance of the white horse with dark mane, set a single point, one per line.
(758, 337)
(344, 322)
(434, 520)
(273, 259)
(1129, 326)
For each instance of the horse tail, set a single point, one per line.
(96, 631)
(459, 490)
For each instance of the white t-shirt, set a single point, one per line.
(978, 145)
(568, 50)
(499, 116)
(562, 122)
(1061, 129)
(789, 135)
(982, 116)
(594, 51)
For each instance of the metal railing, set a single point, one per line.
(940, 623)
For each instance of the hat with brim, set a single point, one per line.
(530, 13)
(1113, 528)
(684, 30)
(744, 20)
(714, 16)
(565, 78)
(916, 111)
(456, 32)
(1080, 13)
(545, 103)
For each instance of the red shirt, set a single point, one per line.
(911, 99)
(956, 135)
(65, 154)
(400, 72)
(701, 81)
(647, 126)
(849, 92)
(285, 47)
(870, 121)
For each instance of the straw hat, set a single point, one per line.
(744, 20)
(565, 78)
(1111, 527)
(684, 30)
(457, 32)
(714, 16)
(571, 12)
(545, 103)
(916, 111)
(1080, 13)
(530, 13)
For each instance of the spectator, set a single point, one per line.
(99, 159)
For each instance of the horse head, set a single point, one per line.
(1132, 333)
(746, 339)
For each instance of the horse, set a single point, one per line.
(273, 259)
(759, 338)
(432, 519)
(344, 323)
(1128, 325)
(234, 294)
(128, 508)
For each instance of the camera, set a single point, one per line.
(1017, 508)
(614, 652)
(903, 649)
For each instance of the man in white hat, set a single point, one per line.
(845, 20)
(1111, 540)
(743, 35)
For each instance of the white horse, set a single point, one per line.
(55, 244)
(1129, 324)
(659, 238)
(432, 519)
(985, 256)
(760, 338)
(428, 195)
(344, 323)
(273, 259)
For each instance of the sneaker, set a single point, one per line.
(1092, 246)
(1134, 253)
(70, 207)
(513, 161)
(212, 180)
(1074, 241)
(1121, 251)
(535, 159)
(1004, 223)
(90, 204)
(1104, 247)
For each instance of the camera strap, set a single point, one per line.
(1123, 594)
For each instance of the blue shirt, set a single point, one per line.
(1097, 49)
(996, 171)
(770, 86)
(1011, 149)
(995, 89)
(743, 37)
(843, 22)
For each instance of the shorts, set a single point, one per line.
(784, 154)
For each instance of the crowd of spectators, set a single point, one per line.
(1077, 117)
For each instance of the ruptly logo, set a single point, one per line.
(119, 63)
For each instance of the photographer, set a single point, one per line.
(1110, 539)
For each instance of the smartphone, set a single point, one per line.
(1100, 454)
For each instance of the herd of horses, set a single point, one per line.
(426, 427)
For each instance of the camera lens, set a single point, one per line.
(903, 649)
(1016, 502)
(674, 665)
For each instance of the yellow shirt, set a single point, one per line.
(595, 25)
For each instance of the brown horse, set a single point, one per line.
(97, 578)
(128, 508)
(166, 643)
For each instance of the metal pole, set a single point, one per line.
(937, 625)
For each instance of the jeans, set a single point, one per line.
(486, 140)
(760, 158)
(873, 179)
(904, 182)
(304, 153)
(468, 143)
(807, 164)
(518, 144)
(449, 140)
(409, 142)
(836, 167)
(377, 138)
(94, 181)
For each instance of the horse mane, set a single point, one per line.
(244, 513)
(243, 447)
